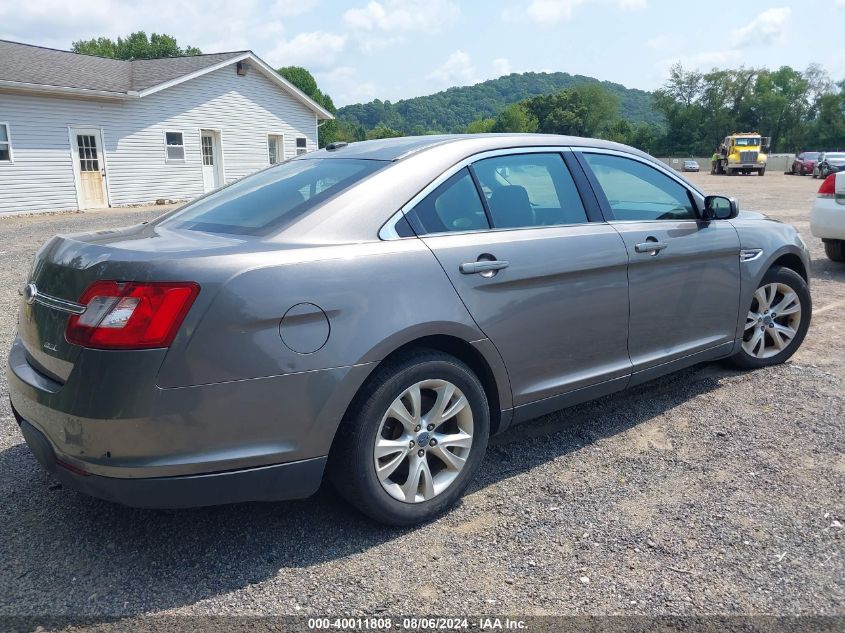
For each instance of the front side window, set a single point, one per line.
(174, 146)
(638, 192)
(5, 144)
(273, 198)
(525, 190)
(454, 206)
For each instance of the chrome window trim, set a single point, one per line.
(698, 196)
(388, 230)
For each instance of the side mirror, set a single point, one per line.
(720, 208)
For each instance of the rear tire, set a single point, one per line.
(409, 487)
(835, 250)
(777, 320)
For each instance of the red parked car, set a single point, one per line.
(804, 163)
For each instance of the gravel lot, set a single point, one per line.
(707, 492)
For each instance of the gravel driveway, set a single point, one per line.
(707, 492)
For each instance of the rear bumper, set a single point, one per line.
(123, 438)
(293, 480)
(827, 219)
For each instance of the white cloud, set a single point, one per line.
(287, 8)
(551, 12)
(403, 15)
(501, 66)
(704, 62)
(343, 84)
(379, 25)
(766, 28)
(457, 70)
(316, 49)
(212, 25)
(633, 5)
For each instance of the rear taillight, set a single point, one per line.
(128, 315)
(828, 188)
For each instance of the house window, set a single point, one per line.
(300, 145)
(5, 144)
(276, 148)
(207, 151)
(175, 147)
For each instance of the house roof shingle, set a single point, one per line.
(28, 64)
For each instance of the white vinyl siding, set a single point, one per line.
(241, 108)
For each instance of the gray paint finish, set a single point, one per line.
(577, 314)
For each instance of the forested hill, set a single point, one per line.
(453, 109)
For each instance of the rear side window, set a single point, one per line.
(454, 206)
(529, 190)
(636, 191)
(272, 198)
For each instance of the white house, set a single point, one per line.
(78, 131)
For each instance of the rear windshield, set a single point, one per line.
(272, 198)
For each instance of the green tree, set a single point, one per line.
(382, 131)
(828, 130)
(601, 105)
(481, 126)
(135, 46)
(304, 80)
(515, 118)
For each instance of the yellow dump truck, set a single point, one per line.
(742, 153)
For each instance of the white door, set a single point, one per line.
(89, 167)
(210, 160)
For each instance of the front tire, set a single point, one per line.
(835, 250)
(412, 440)
(777, 320)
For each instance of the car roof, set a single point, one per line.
(394, 149)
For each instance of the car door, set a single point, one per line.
(543, 282)
(683, 275)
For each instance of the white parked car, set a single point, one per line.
(827, 219)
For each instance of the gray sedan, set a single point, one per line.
(374, 312)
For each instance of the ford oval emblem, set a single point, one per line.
(30, 293)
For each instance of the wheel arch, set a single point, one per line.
(481, 356)
(793, 262)
(476, 359)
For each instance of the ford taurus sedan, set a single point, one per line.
(373, 312)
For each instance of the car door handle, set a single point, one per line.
(483, 266)
(650, 247)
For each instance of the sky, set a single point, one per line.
(392, 49)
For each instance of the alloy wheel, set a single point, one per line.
(423, 441)
(773, 320)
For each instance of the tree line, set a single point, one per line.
(689, 115)
(798, 110)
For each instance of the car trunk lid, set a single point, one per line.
(67, 265)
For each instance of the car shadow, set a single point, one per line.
(65, 553)
(822, 267)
